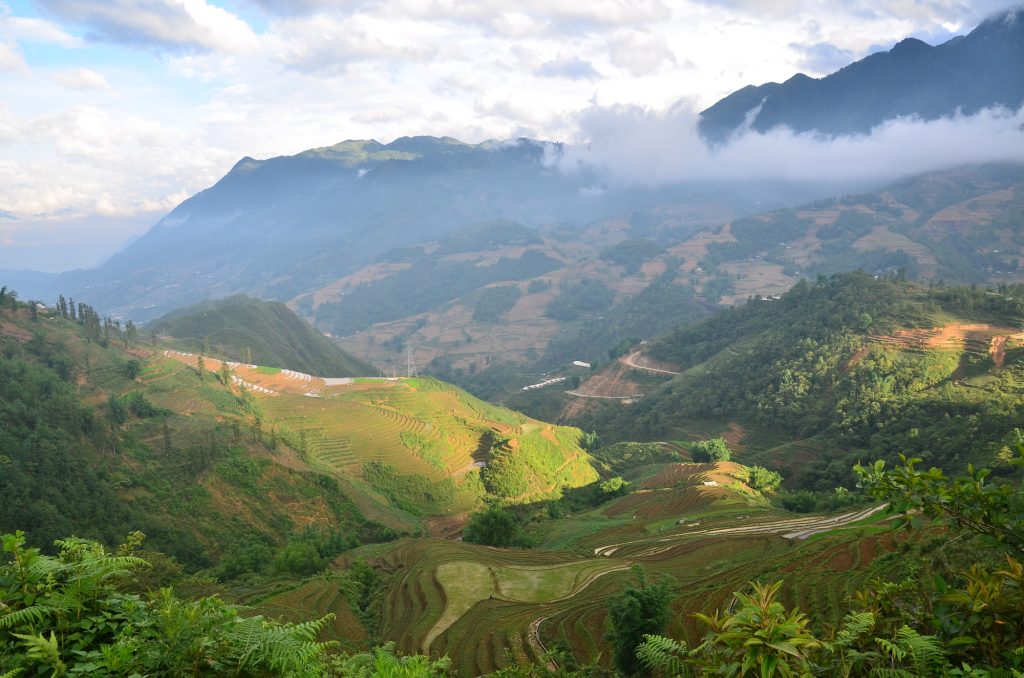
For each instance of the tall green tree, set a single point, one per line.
(493, 526)
(641, 610)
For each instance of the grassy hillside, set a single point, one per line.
(852, 363)
(264, 332)
(104, 436)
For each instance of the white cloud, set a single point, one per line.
(639, 52)
(637, 145)
(11, 58)
(162, 24)
(34, 29)
(82, 79)
(570, 67)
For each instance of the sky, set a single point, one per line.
(114, 111)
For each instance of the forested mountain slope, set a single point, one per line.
(867, 365)
(254, 331)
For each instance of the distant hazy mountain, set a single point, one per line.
(968, 73)
(280, 227)
(263, 332)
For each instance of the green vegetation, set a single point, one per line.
(488, 235)
(836, 363)
(631, 254)
(891, 231)
(249, 330)
(576, 299)
(641, 610)
(661, 307)
(492, 527)
(517, 465)
(620, 457)
(363, 464)
(75, 614)
(412, 493)
(715, 449)
(961, 621)
(495, 302)
(279, 485)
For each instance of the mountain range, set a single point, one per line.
(913, 79)
(276, 228)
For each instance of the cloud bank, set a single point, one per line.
(635, 145)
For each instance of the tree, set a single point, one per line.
(492, 527)
(715, 449)
(116, 410)
(640, 610)
(613, 487)
(224, 373)
(763, 480)
(131, 333)
(200, 367)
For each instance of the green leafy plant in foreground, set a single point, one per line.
(70, 614)
(969, 622)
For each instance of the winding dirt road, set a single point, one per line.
(630, 361)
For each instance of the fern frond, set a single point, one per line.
(925, 651)
(26, 616)
(44, 650)
(285, 649)
(664, 655)
(43, 568)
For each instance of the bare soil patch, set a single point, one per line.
(447, 527)
(980, 338)
(612, 381)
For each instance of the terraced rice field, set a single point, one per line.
(420, 427)
(488, 608)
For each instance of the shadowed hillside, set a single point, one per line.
(254, 331)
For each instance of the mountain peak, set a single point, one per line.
(967, 74)
(910, 46)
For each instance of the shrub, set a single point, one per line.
(715, 449)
